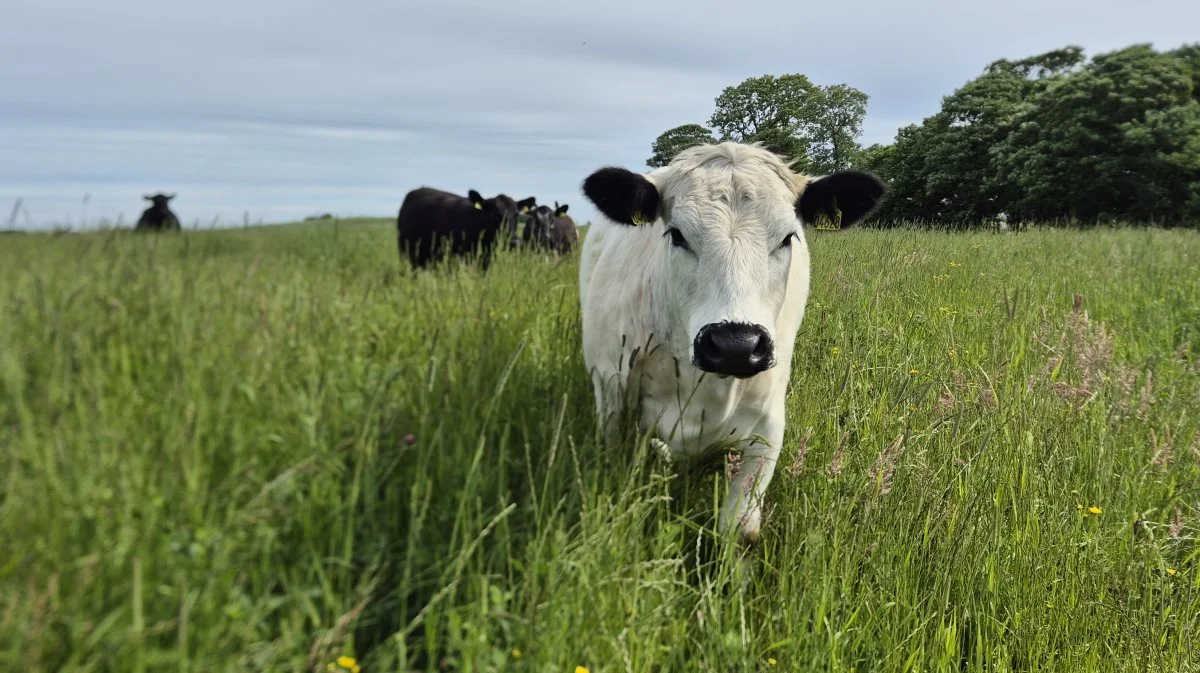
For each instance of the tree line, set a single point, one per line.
(1054, 138)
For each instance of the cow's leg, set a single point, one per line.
(743, 506)
(485, 256)
(420, 251)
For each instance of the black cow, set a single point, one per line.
(536, 233)
(158, 216)
(432, 220)
(564, 234)
(551, 230)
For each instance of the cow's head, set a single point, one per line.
(540, 220)
(559, 211)
(159, 200)
(501, 206)
(731, 219)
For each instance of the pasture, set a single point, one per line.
(265, 449)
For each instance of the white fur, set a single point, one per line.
(734, 204)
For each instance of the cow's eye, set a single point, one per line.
(787, 241)
(677, 238)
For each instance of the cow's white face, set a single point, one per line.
(729, 238)
(730, 215)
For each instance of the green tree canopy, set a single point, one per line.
(675, 140)
(816, 127)
(1054, 137)
(768, 109)
(1115, 139)
(833, 128)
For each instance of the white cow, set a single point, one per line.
(693, 284)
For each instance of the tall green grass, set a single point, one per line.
(263, 450)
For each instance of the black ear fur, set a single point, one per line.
(622, 195)
(855, 193)
(560, 210)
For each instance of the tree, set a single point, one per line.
(815, 127)
(1189, 55)
(1054, 137)
(945, 169)
(834, 125)
(1116, 139)
(674, 141)
(1044, 65)
(771, 110)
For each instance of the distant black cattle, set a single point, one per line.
(536, 233)
(551, 230)
(158, 216)
(432, 221)
(564, 234)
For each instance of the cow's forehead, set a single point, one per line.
(725, 172)
(735, 190)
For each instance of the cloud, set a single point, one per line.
(284, 109)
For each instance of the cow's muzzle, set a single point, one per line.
(733, 349)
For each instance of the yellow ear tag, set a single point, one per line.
(826, 223)
(478, 207)
(639, 218)
(524, 209)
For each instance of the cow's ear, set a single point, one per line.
(623, 196)
(525, 205)
(476, 199)
(148, 198)
(560, 210)
(839, 200)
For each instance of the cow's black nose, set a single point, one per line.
(734, 349)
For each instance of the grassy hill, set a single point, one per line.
(265, 449)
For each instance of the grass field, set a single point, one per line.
(265, 449)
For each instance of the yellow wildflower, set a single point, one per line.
(913, 372)
(771, 661)
(953, 353)
(581, 669)
(516, 653)
(1095, 510)
(1079, 505)
(835, 351)
(1171, 571)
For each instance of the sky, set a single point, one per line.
(272, 110)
